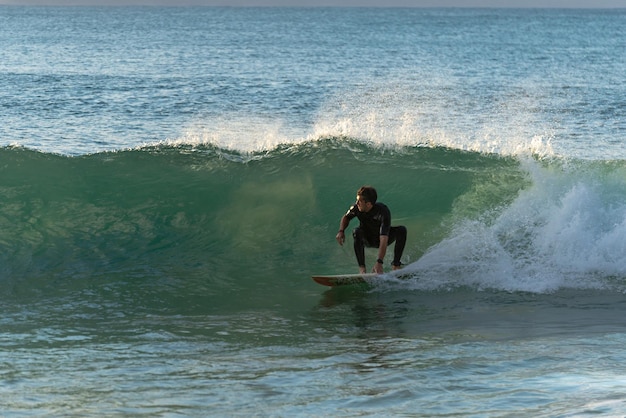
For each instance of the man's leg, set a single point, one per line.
(397, 234)
(359, 247)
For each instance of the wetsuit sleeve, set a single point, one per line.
(352, 212)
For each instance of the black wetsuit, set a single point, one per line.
(373, 224)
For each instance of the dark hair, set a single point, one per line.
(368, 193)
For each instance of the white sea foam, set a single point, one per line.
(566, 230)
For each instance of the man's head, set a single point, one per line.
(366, 196)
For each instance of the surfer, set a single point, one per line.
(374, 230)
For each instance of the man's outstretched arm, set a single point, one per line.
(382, 250)
(341, 235)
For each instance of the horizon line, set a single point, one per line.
(313, 6)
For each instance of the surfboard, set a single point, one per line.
(343, 279)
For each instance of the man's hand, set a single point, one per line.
(341, 237)
(378, 268)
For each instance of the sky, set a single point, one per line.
(344, 3)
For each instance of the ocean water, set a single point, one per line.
(170, 178)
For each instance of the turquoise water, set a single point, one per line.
(171, 178)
